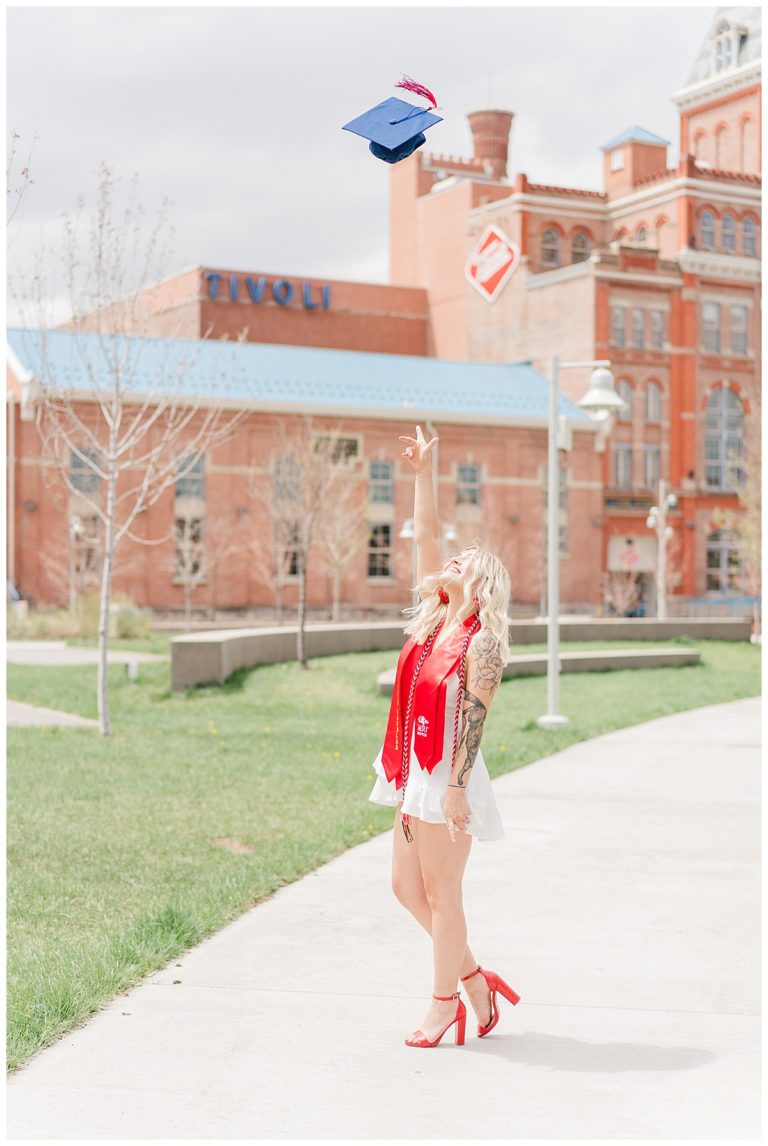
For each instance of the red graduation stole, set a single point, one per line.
(428, 707)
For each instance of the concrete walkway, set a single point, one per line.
(60, 653)
(623, 906)
(21, 714)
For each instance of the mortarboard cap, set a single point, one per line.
(394, 127)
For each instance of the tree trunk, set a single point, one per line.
(301, 640)
(188, 607)
(106, 597)
(335, 609)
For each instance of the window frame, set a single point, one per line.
(616, 309)
(192, 484)
(658, 328)
(652, 388)
(580, 255)
(725, 544)
(377, 484)
(707, 246)
(724, 440)
(711, 333)
(550, 231)
(463, 485)
(84, 479)
(739, 336)
(622, 450)
(749, 237)
(638, 328)
(383, 551)
(651, 451)
(626, 391)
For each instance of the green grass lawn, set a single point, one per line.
(112, 868)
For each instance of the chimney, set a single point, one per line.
(490, 139)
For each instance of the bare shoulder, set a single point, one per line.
(486, 665)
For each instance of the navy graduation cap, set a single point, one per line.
(396, 128)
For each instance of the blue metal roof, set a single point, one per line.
(634, 134)
(291, 377)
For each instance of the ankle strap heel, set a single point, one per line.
(446, 998)
(471, 974)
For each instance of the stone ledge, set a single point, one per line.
(210, 657)
(535, 664)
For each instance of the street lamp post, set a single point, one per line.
(657, 520)
(600, 402)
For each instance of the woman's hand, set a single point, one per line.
(456, 811)
(418, 450)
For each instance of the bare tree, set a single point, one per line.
(201, 546)
(341, 532)
(302, 480)
(16, 185)
(273, 538)
(134, 427)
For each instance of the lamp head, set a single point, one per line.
(601, 399)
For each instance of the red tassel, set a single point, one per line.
(418, 89)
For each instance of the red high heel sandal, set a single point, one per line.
(418, 1039)
(495, 983)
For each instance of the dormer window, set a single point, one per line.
(617, 159)
(728, 44)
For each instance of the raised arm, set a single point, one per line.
(429, 556)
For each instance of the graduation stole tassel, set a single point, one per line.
(410, 85)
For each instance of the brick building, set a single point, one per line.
(659, 271)
(490, 467)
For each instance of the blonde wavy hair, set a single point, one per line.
(485, 579)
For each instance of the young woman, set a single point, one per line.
(430, 765)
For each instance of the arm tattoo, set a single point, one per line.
(488, 666)
(474, 712)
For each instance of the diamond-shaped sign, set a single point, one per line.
(492, 262)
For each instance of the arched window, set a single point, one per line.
(723, 440)
(579, 247)
(707, 230)
(723, 561)
(748, 236)
(653, 402)
(729, 233)
(641, 236)
(550, 248)
(626, 392)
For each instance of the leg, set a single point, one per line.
(408, 887)
(442, 864)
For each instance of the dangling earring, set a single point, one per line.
(442, 595)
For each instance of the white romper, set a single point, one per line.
(425, 791)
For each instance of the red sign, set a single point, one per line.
(491, 263)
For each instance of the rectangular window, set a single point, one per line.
(380, 550)
(468, 485)
(82, 474)
(192, 484)
(342, 449)
(657, 329)
(287, 485)
(739, 329)
(710, 316)
(189, 553)
(617, 159)
(652, 467)
(617, 325)
(638, 327)
(622, 460)
(381, 485)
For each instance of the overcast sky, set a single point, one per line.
(235, 113)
